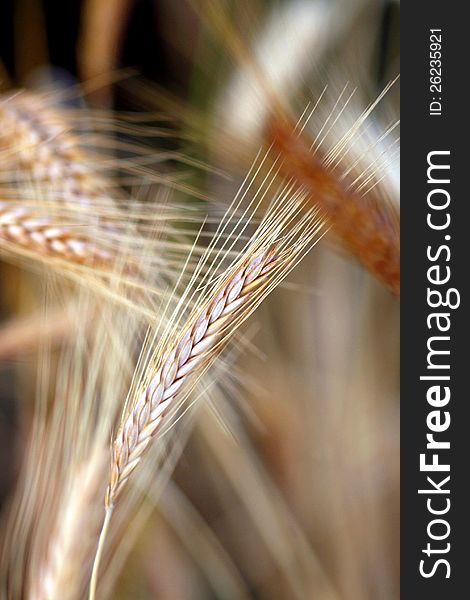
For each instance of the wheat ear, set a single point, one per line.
(363, 225)
(38, 140)
(42, 236)
(181, 362)
(59, 200)
(38, 149)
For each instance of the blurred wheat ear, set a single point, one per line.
(346, 184)
(365, 226)
(67, 201)
(40, 153)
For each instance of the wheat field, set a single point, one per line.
(199, 300)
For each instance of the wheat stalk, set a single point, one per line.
(53, 526)
(58, 200)
(186, 354)
(58, 206)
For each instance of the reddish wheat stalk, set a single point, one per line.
(363, 226)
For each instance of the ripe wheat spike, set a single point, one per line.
(187, 350)
(53, 523)
(62, 204)
(189, 354)
(71, 540)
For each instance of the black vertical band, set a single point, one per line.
(435, 250)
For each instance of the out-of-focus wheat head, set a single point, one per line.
(38, 150)
(333, 150)
(67, 183)
(53, 523)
